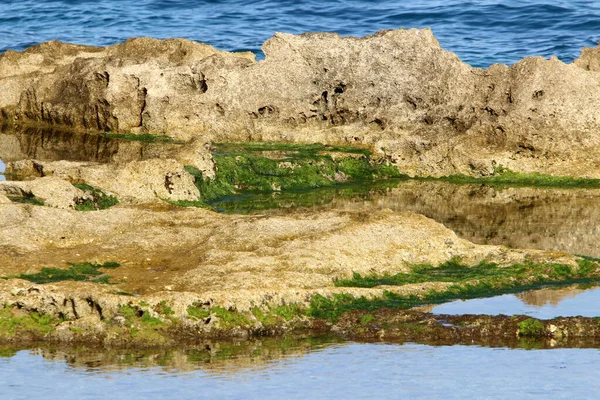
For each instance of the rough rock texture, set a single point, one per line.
(182, 257)
(194, 250)
(396, 90)
(134, 182)
(54, 192)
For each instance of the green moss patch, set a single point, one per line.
(532, 328)
(34, 324)
(491, 273)
(250, 201)
(294, 150)
(197, 311)
(97, 199)
(26, 200)
(506, 177)
(227, 319)
(86, 271)
(254, 168)
(482, 280)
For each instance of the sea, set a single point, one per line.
(481, 33)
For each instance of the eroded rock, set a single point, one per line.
(52, 191)
(397, 91)
(136, 181)
(195, 250)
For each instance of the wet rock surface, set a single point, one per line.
(521, 217)
(499, 330)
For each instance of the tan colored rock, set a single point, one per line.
(136, 181)
(397, 91)
(197, 154)
(4, 199)
(589, 59)
(141, 181)
(54, 192)
(199, 251)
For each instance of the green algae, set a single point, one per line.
(254, 176)
(295, 149)
(244, 202)
(491, 273)
(32, 200)
(34, 324)
(163, 309)
(197, 311)
(266, 167)
(86, 271)
(532, 328)
(228, 318)
(231, 318)
(506, 177)
(481, 280)
(97, 199)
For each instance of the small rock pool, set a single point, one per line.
(545, 303)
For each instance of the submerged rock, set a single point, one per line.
(397, 91)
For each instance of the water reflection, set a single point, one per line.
(51, 144)
(565, 220)
(548, 219)
(2, 169)
(544, 304)
(213, 357)
(349, 370)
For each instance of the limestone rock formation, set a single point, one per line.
(54, 192)
(196, 250)
(134, 182)
(397, 91)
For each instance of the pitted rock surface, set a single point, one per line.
(397, 91)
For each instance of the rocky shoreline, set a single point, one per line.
(114, 154)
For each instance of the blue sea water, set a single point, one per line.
(481, 32)
(346, 371)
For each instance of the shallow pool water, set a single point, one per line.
(544, 304)
(2, 169)
(347, 371)
(566, 220)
